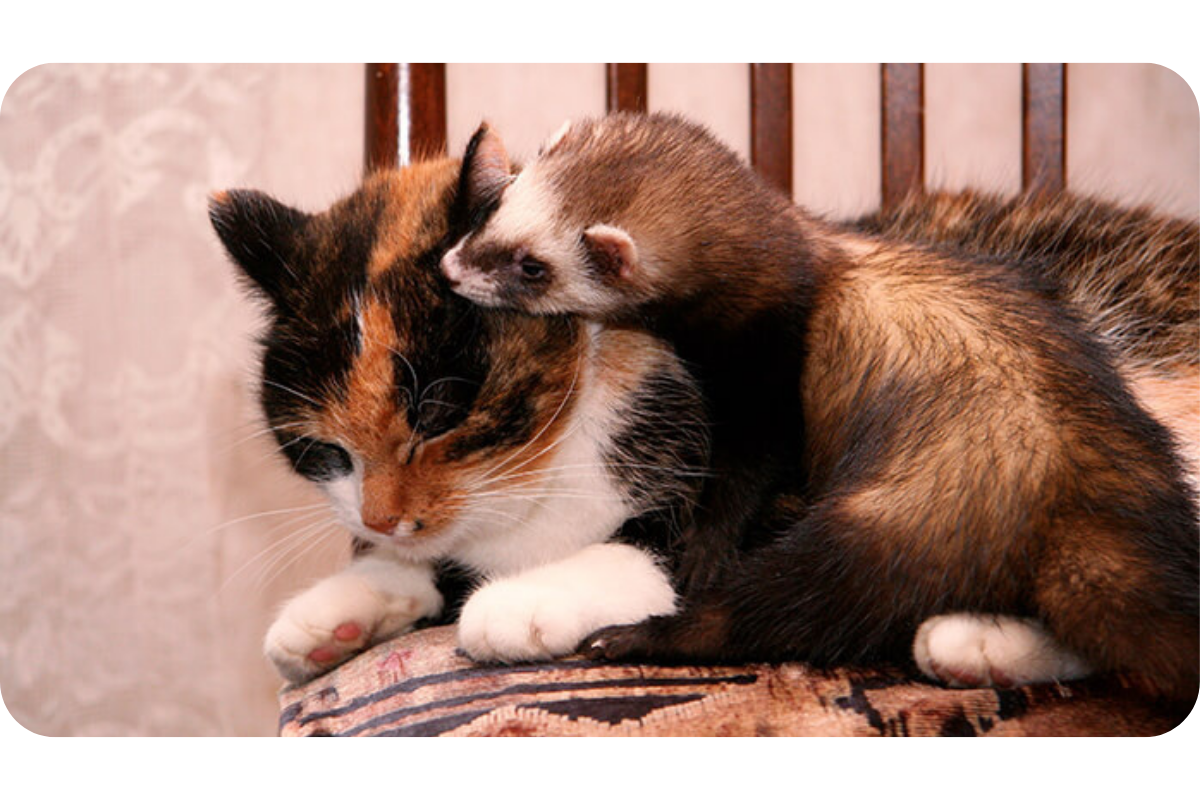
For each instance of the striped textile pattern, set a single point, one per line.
(420, 685)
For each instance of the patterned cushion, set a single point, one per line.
(420, 685)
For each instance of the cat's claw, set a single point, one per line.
(664, 639)
(616, 643)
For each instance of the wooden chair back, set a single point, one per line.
(406, 118)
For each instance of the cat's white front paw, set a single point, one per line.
(546, 612)
(510, 621)
(973, 650)
(345, 613)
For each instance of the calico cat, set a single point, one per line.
(966, 444)
(550, 458)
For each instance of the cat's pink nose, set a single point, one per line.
(383, 523)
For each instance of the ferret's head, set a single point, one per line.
(543, 239)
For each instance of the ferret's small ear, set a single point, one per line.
(486, 170)
(262, 237)
(612, 251)
(555, 139)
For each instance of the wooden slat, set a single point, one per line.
(771, 123)
(903, 130)
(405, 113)
(1044, 127)
(626, 87)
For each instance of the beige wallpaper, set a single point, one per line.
(146, 527)
(1133, 129)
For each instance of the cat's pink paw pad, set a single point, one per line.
(347, 632)
(347, 639)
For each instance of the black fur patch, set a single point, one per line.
(315, 460)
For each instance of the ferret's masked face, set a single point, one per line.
(524, 251)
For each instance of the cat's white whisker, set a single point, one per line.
(283, 545)
(683, 472)
(291, 391)
(567, 396)
(439, 381)
(280, 563)
(264, 431)
(260, 514)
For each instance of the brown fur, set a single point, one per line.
(369, 354)
(967, 444)
(1133, 275)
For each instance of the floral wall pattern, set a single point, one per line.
(125, 350)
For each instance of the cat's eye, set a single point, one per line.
(316, 460)
(443, 405)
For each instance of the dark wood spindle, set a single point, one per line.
(405, 113)
(771, 123)
(626, 87)
(1044, 127)
(903, 130)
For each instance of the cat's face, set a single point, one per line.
(420, 421)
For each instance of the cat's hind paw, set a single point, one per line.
(980, 650)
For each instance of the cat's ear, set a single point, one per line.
(486, 170)
(262, 236)
(612, 251)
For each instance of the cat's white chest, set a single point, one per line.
(575, 505)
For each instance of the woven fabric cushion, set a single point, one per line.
(421, 685)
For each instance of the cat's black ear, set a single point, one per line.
(486, 170)
(262, 236)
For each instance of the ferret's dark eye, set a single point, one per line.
(533, 269)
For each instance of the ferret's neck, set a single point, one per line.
(746, 276)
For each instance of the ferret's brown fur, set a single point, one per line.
(964, 442)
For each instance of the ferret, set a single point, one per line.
(648, 259)
(964, 444)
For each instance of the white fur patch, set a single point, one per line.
(547, 611)
(971, 650)
(345, 497)
(467, 282)
(379, 594)
(575, 504)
